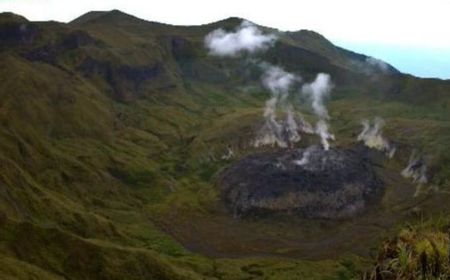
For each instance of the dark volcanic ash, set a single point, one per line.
(311, 182)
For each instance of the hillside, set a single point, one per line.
(113, 130)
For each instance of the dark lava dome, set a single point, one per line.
(310, 182)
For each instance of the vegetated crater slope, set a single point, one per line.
(112, 129)
(311, 182)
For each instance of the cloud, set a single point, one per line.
(246, 38)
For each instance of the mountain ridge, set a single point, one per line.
(230, 22)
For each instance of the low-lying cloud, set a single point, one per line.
(246, 38)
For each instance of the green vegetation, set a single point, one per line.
(112, 130)
(418, 251)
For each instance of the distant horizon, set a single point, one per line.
(412, 36)
(421, 62)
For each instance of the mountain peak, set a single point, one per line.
(302, 33)
(12, 17)
(107, 16)
(236, 20)
(227, 23)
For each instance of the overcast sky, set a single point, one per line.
(412, 35)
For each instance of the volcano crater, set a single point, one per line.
(311, 183)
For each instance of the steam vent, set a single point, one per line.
(312, 183)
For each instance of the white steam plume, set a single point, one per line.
(305, 157)
(378, 63)
(317, 91)
(291, 127)
(277, 80)
(229, 154)
(305, 126)
(372, 137)
(246, 38)
(271, 132)
(416, 169)
(322, 131)
(280, 133)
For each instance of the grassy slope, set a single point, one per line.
(93, 176)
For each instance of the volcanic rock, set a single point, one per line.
(311, 182)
